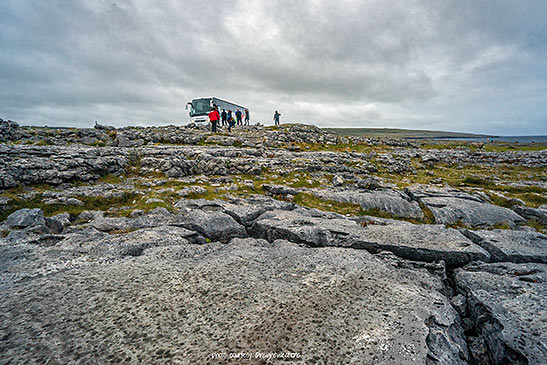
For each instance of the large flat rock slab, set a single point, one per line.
(410, 241)
(418, 192)
(394, 202)
(244, 211)
(80, 247)
(513, 246)
(469, 212)
(194, 304)
(539, 214)
(453, 206)
(507, 302)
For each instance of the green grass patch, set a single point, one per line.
(532, 199)
(458, 224)
(377, 212)
(311, 201)
(500, 200)
(504, 225)
(43, 142)
(340, 147)
(448, 145)
(110, 179)
(476, 181)
(294, 179)
(534, 223)
(122, 231)
(90, 203)
(428, 218)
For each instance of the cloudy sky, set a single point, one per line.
(466, 65)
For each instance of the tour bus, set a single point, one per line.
(200, 108)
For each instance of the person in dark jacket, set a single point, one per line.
(223, 116)
(276, 117)
(230, 121)
(247, 116)
(238, 117)
(214, 117)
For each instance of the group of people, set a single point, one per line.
(227, 119)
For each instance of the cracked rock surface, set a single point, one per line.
(414, 242)
(175, 245)
(512, 246)
(507, 303)
(182, 302)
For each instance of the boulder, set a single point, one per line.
(513, 246)
(337, 180)
(279, 189)
(191, 190)
(104, 127)
(64, 201)
(154, 200)
(217, 226)
(54, 225)
(108, 224)
(370, 183)
(63, 218)
(4, 203)
(24, 218)
(506, 304)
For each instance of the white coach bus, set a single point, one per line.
(200, 108)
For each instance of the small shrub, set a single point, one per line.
(110, 179)
(476, 181)
(43, 142)
(535, 224)
(503, 225)
(458, 224)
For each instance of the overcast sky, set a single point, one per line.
(466, 65)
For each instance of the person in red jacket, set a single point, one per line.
(214, 118)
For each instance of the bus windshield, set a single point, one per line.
(200, 107)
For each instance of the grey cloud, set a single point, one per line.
(140, 61)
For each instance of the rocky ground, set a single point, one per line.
(267, 245)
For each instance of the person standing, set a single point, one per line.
(214, 117)
(247, 115)
(223, 116)
(230, 121)
(276, 117)
(238, 117)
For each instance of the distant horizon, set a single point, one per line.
(91, 125)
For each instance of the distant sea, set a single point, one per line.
(514, 139)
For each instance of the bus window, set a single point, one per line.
(200, 107)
